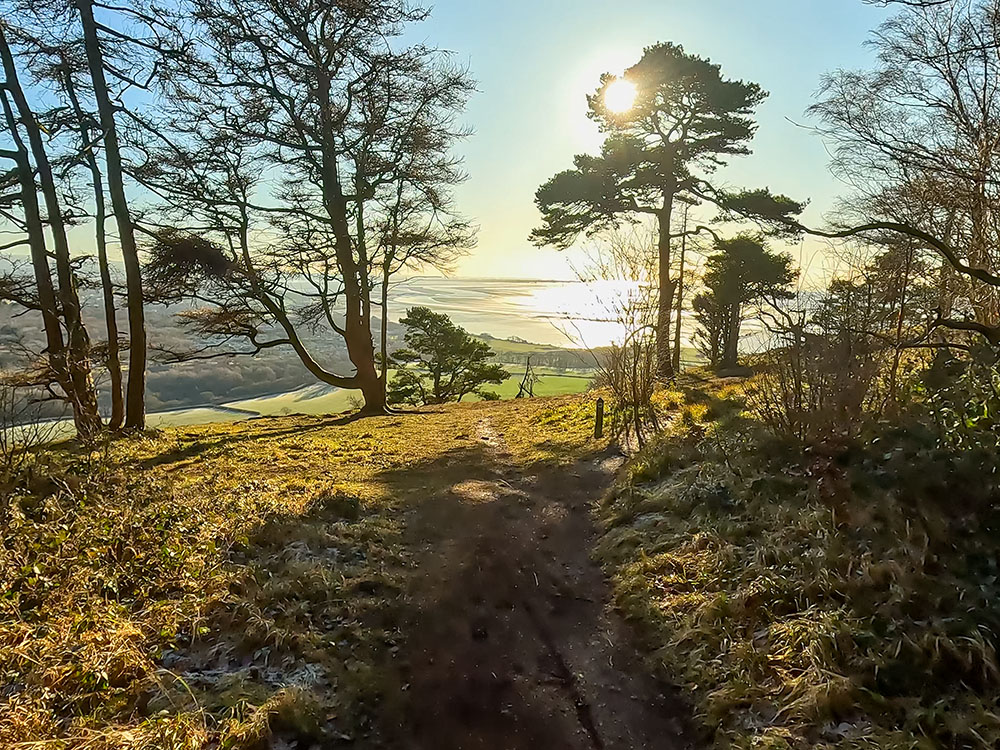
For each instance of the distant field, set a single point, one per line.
(504, 346)
(63, 428)
(201, 415)
(321, 399)
(313, 399)
(561, 384)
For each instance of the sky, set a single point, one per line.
(536, 60)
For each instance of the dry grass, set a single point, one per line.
(840, 595)
(221, 585)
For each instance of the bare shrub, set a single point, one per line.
(628, 372)
(624, 270)
(815, 388)
(22, 431)
(816, 378)
(842, 358)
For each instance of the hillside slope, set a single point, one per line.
(420, 579)
(839, 594)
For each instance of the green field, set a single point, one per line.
(550, 383)
(505, 346)
(321, 399)
(312, 399)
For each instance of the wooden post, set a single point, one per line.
(599, 422)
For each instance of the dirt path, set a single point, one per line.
(510, 642)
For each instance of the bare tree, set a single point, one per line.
(93, 63)
(526, 388)
(36, 292)
(681, 289)
(135, 407)
(307, 162)
(628, 368)
(64, 71)
(917, 137)
(72, 362)
(832, 364)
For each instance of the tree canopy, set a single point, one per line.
(916, 137)
(742, 271)
(686, 120)
(317, 158)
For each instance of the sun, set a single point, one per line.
(619, 96)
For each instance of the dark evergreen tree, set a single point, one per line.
(685, 121)
(740, 273)
(442, 362)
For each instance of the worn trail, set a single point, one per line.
(511, 642)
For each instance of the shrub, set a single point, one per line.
(840, 594)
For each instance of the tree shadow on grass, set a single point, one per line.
(314, 619)
(252, 431)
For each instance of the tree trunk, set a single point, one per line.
(113, 358)
(373, 392)
(664, 360)
(135, 405)
(357, 292)
(384, 328)
(369, 379)
(731, 346)
(82, 394)
(680, 298)
(897, 353)
(54, 347)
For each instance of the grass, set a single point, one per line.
(64, 429)
(505, 346)
(841, 595)
(315, 400)
(311, 400)
(220, 585)
(550, 383)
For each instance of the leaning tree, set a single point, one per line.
(95, 45)
(64, 370)
(96, 64)
(660, 149)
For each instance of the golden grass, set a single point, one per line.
(213, 586)
(843, 595)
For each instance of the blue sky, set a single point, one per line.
(536, 60)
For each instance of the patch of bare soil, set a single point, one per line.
(511, 642)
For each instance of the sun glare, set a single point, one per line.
(619, 96)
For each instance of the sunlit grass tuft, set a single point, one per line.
(843, 595)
